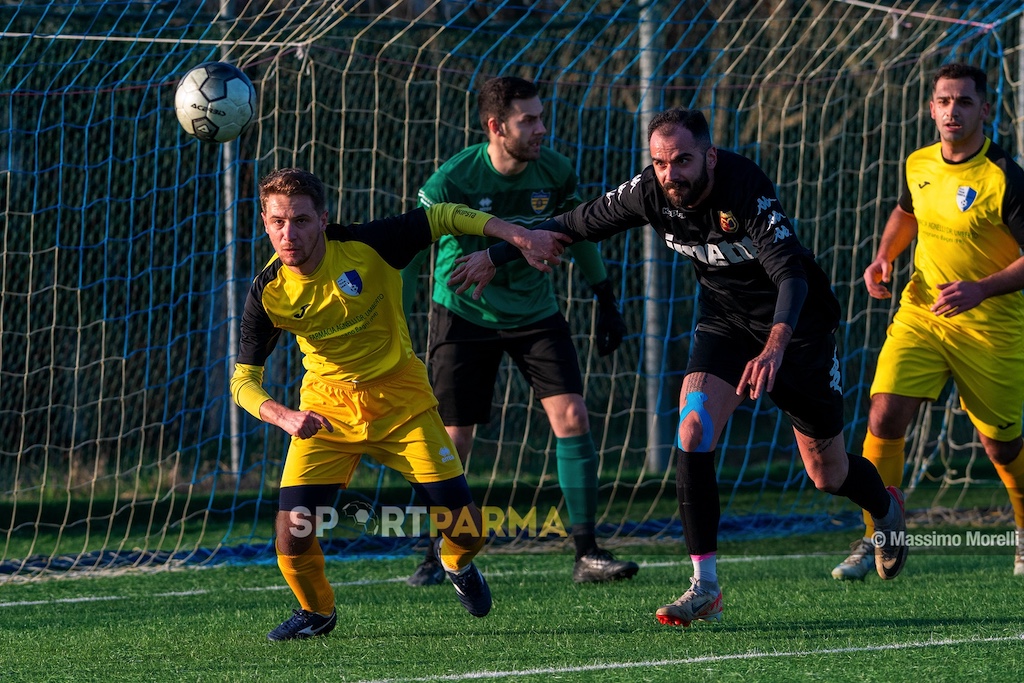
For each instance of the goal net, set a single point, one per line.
(128, 246)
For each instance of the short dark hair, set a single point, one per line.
(690, 119)
(293, 182)
(496, 95)
(959, 70)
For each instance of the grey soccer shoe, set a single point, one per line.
(859, 564)
(601, 565)
(890, 539)
(702, 602)
(429, 572)
(472, 589)
(303, 624)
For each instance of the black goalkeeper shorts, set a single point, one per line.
(465, 357)
(809, 385)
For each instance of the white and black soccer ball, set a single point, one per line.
(215, 102)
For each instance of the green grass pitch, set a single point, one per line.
(946, 618)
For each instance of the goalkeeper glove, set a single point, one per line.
(610, 326)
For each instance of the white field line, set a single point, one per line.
(57, 601)
(483, 675)
(363, 582)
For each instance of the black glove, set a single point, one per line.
(610, 325)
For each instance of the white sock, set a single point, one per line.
(705, 567)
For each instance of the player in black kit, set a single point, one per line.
(766, 324)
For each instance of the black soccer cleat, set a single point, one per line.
(429, 572)
(303, 624)
(472, 589)
(601, 565)
(890, 540)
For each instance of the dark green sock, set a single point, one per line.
(584, 539)
(577, 477)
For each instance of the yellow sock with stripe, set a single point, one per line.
(888, 458)
(1012, 475)
(306, 577)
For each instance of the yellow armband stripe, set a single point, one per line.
(446, 218)
(247, 388)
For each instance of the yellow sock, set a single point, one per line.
(1012, 475)
(455, 556)
(306, 577)
(887, 456)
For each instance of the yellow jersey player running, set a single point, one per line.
(962, 313)
(338, 289)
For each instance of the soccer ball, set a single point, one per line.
(215, 102)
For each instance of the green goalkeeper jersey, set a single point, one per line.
(519, 294)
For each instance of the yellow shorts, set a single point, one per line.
(921, 354)
(393, 420)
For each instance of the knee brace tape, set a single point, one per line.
(695, 404)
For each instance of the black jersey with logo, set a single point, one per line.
(739, 239)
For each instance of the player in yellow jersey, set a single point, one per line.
(338, 289)
(962, 313)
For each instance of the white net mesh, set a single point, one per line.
(127, 245)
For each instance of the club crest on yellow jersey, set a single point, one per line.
(727, 221)
(965, 196)
(350, 283)
(539, 201)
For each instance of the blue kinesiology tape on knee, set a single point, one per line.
(695, 404)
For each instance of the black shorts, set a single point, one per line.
(464, 362)
(808, 387)
(450, 493)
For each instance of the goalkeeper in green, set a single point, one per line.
(512, 175)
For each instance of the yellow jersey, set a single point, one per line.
(347, 315)
(970, 218)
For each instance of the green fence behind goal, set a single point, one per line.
(128, 246)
